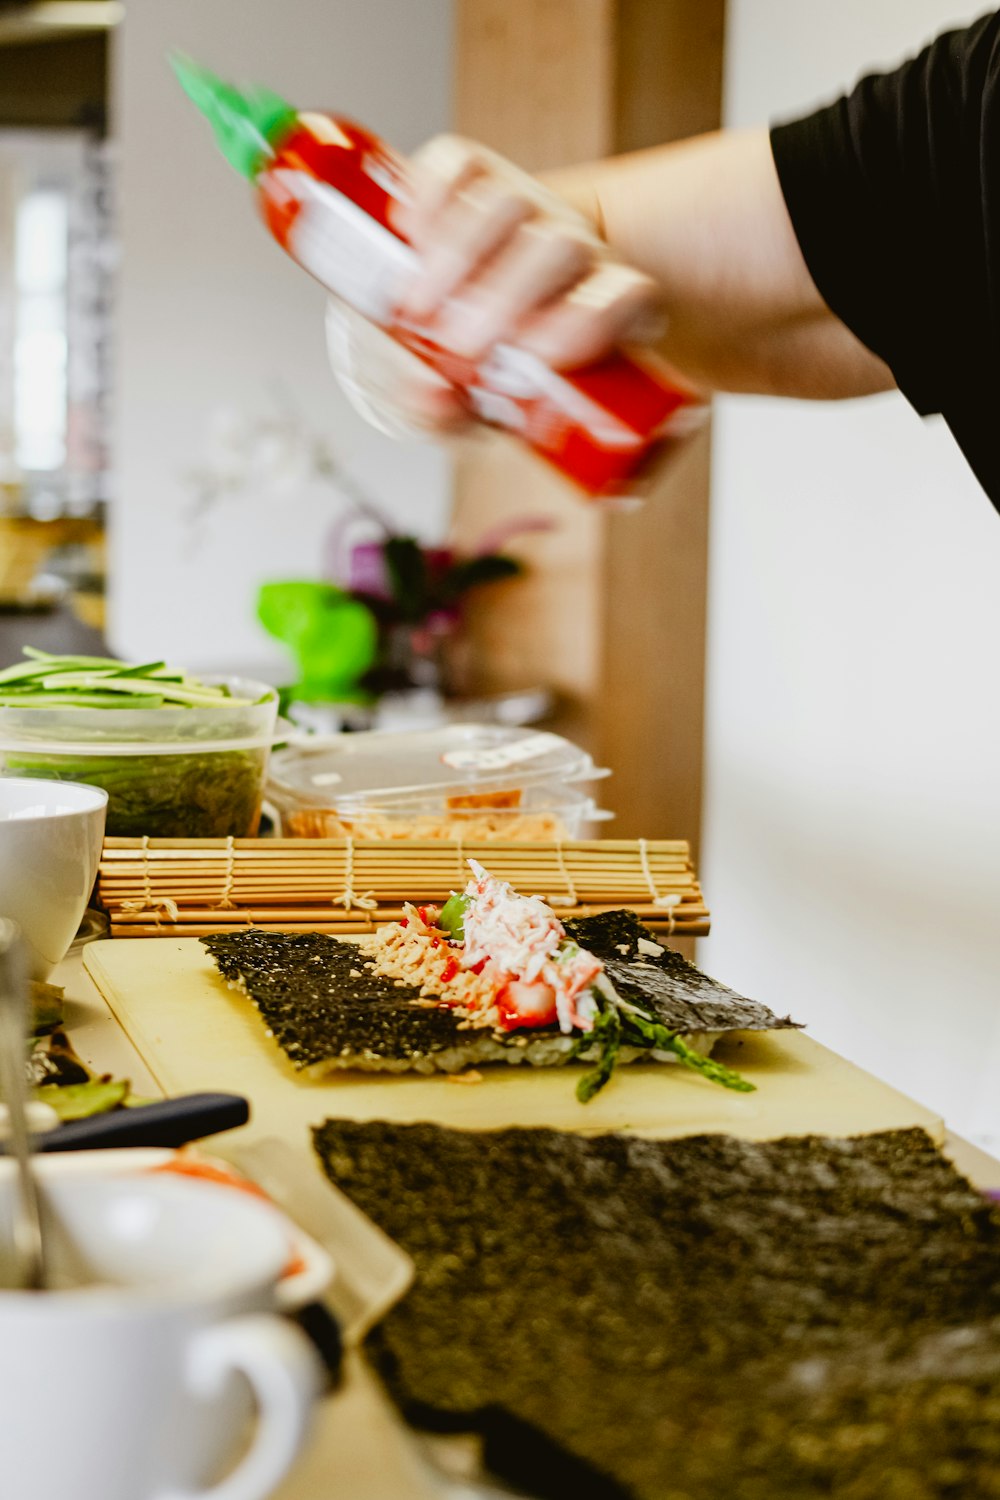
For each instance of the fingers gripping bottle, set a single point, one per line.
(327, 189)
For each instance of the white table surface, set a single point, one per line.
(359, 1449)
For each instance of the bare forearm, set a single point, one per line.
(706, 219)
(571, 270)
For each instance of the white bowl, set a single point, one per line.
(151, 1234)
(308, 1269)
(51, 834)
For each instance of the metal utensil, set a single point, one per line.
(26, 1221)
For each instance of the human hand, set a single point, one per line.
(502, 259)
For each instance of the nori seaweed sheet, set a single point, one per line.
(306, 986)
(318, 997)
(666, 984)
(701, 1319)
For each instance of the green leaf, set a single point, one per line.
(288, 611)
(473, 572)
(407, 569)
(333, 638)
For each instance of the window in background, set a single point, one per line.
(56, 269)
(41, 259)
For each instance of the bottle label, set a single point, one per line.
(499, 757)
(353, 255)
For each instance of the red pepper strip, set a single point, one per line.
(450, 970)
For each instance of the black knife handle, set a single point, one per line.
(168, 1122)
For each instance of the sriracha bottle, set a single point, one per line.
(326, 189)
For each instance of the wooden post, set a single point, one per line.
(613, 611)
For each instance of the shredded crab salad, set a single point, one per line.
(521, 943)
(505, 961)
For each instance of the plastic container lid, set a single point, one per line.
(222, 726)
(378, 767)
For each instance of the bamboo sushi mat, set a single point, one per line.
(195, 887)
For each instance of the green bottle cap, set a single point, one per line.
(247, 125)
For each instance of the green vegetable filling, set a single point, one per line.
(45, 681)
(607, 1033)
(615, 1028)
(641, 1032)
(452, 918)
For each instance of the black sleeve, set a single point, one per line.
(894, 195)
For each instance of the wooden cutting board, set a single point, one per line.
(196, 1033)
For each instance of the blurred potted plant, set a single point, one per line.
(388, 612)
(386, 627)
(415, 593)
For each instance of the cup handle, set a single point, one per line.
(285, 1377)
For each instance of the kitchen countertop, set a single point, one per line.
(359, 1447)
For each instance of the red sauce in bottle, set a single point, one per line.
(328, 190)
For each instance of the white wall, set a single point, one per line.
(211, 314)
(852, 839)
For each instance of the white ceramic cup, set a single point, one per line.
(51, 834)
(157, 1372)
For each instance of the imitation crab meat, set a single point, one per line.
(543, 976)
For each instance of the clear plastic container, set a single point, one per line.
(168, 772)
(467, 781)
(375, 766)
(544, 812)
